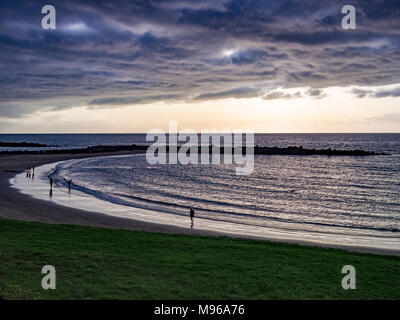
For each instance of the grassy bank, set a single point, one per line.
(96, 263)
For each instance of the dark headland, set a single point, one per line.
(300, 151)
(22, 145)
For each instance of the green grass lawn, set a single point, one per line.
(97, 263)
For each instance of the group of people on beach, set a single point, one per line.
(69, 182)
(30, 172)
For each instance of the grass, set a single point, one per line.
(97, 263)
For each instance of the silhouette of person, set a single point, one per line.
(51, 183)
(69, 184)
(191, 217)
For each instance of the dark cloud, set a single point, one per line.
(316, 93)
(238, 93)
(281, 95)
(118, 101)
(109, 53)
(362, 93)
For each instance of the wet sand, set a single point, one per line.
(15, 205)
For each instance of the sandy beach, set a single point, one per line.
(15, 205)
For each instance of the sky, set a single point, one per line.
(132, 66)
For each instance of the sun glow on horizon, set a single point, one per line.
(338, 111)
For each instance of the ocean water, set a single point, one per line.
(368, 141)
(319, 195)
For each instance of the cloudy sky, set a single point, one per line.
(267, 65)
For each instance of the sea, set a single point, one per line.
(335, 195)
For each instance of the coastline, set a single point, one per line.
(15, 205)
(18, 206)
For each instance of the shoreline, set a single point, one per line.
(16, 205)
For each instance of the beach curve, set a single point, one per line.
(17, 205)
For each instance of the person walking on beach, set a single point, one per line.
(69, 184)
(191, 217)
(51, 187)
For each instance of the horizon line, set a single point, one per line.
(128, 133)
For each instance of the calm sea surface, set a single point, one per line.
(373, 142)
